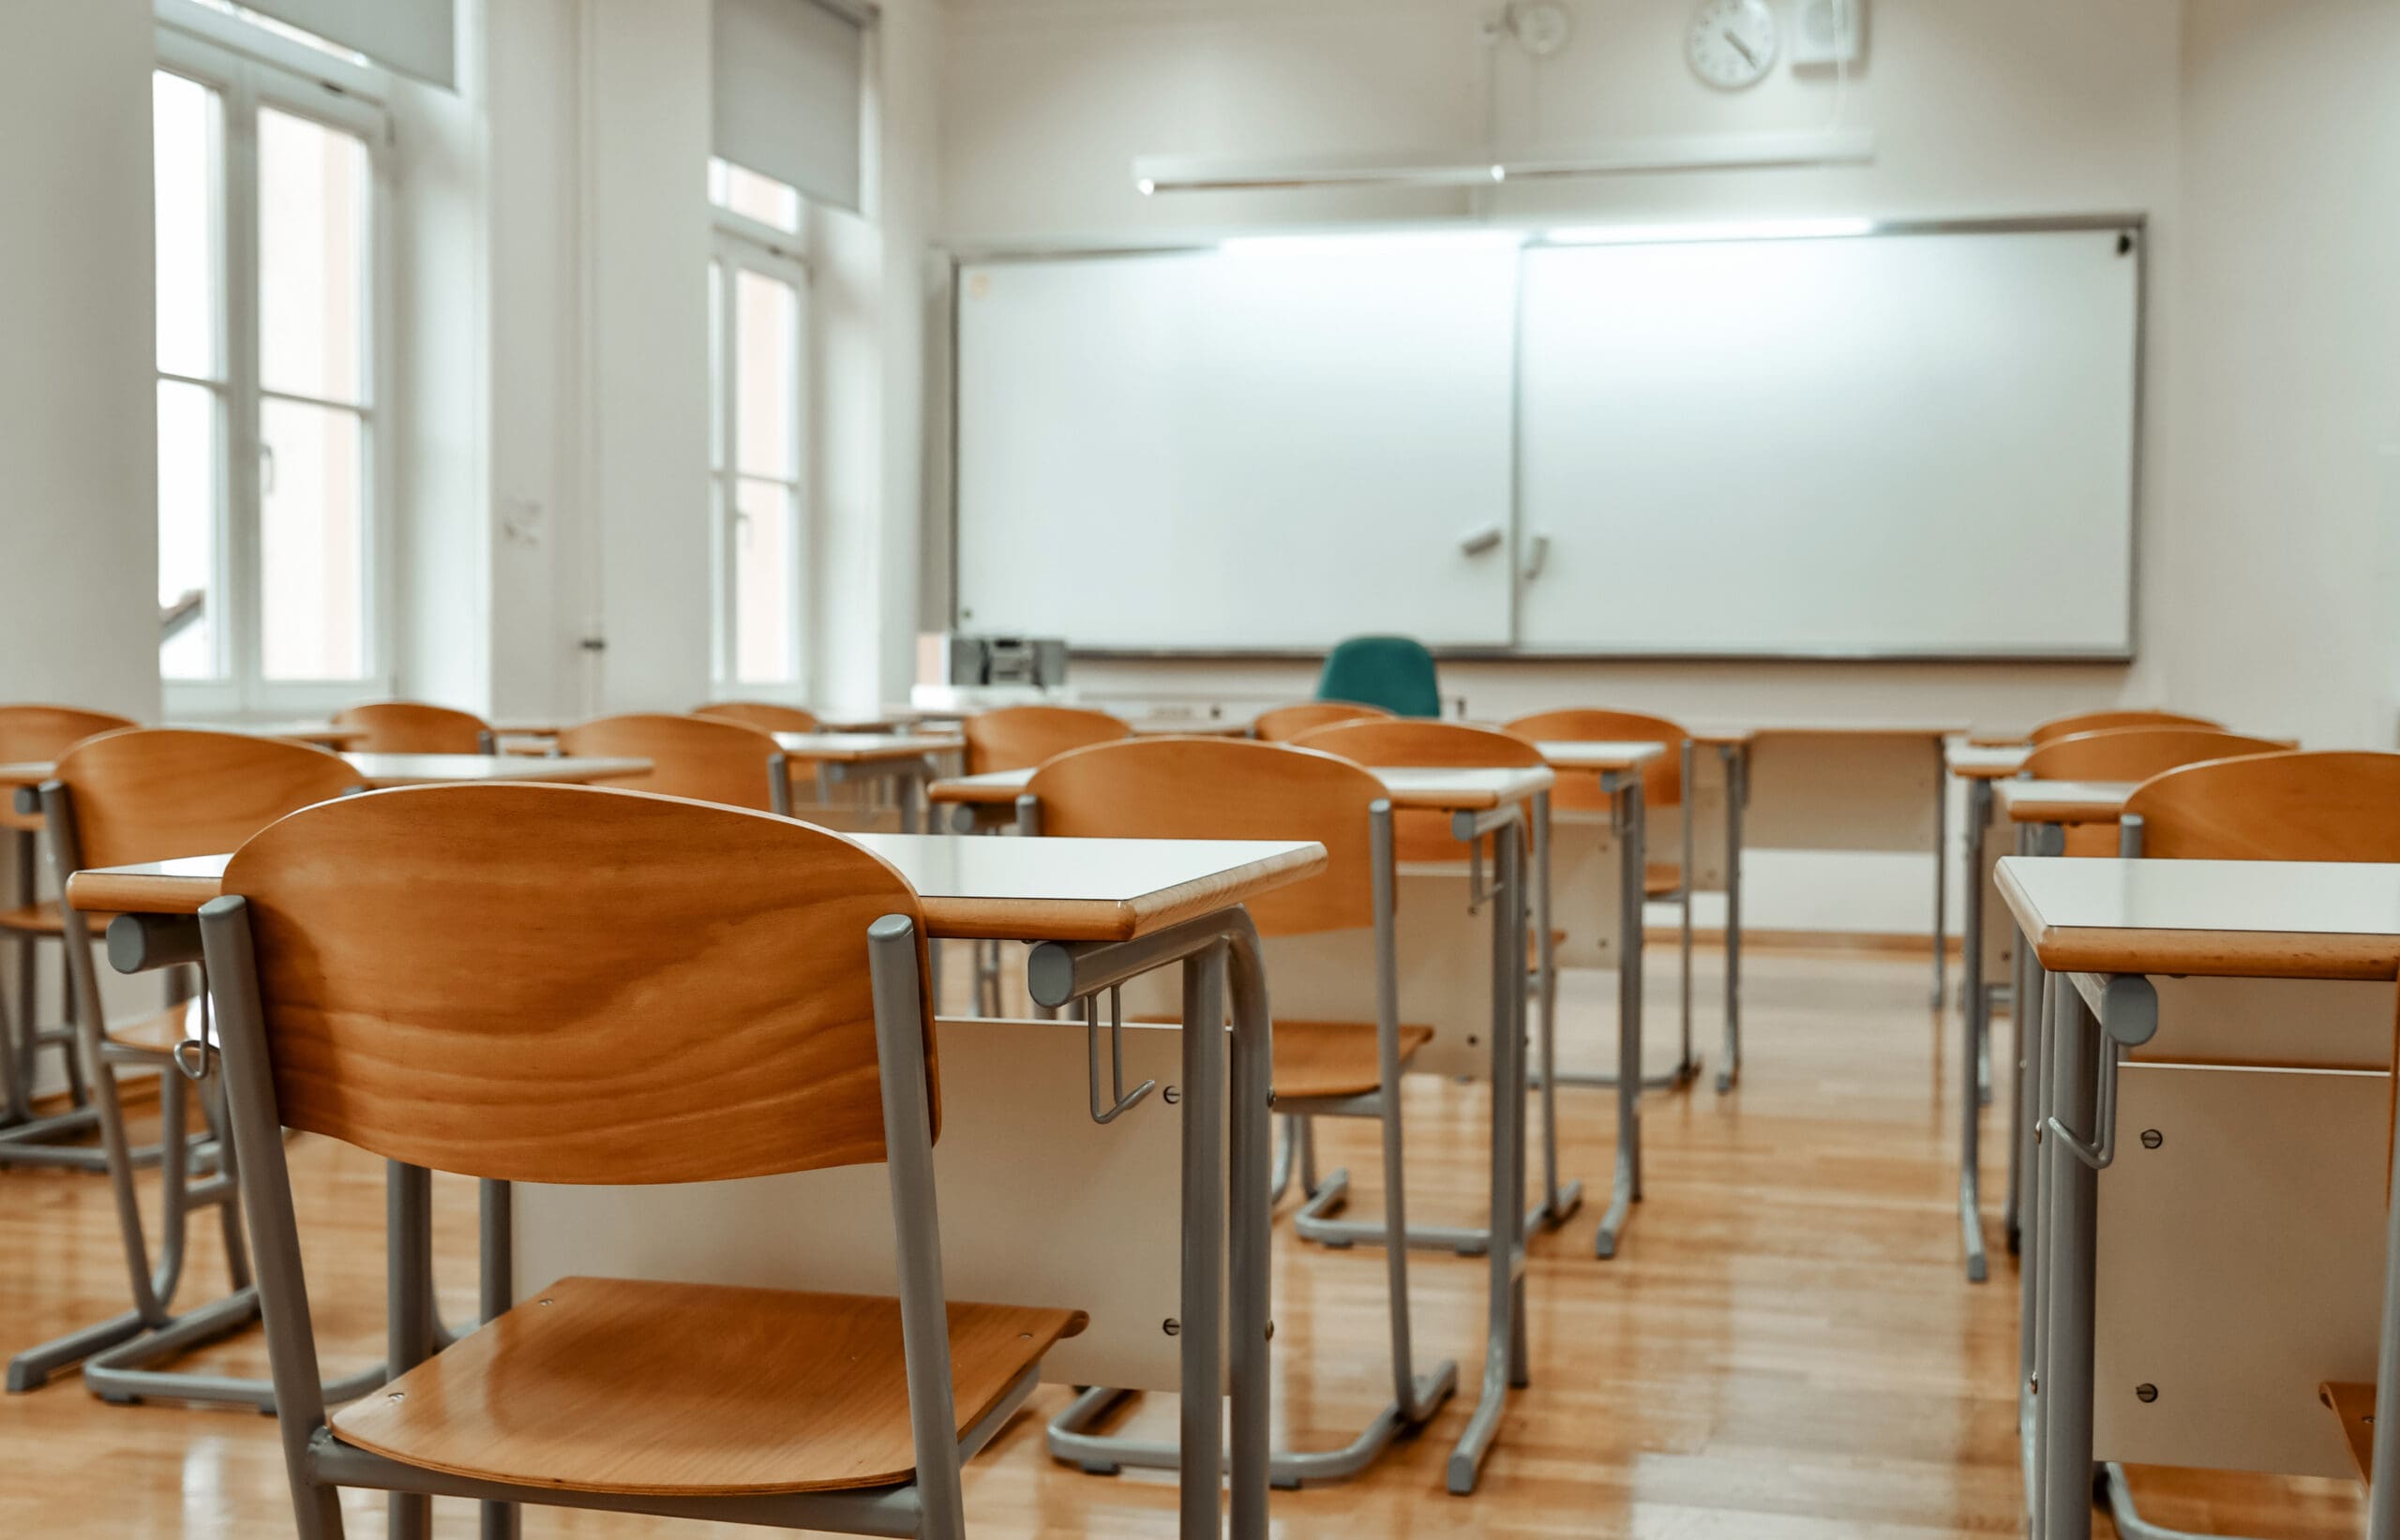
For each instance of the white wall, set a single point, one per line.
(79, 521)
(2284, 472)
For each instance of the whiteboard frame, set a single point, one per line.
(2135, 224)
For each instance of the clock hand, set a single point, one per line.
(1741, 48)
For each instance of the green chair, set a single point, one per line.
(1393, 672)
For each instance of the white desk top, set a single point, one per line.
(1720, 732)
(1599, 756)
(2293, 919)
(1008, 889)
(2063, 802)
(861, 748)
(426, 770)
(433, 770)
(324, 734)
(1987, 761)
(1440, 788)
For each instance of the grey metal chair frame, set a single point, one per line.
(119, 1353)
(319, 1464)
(23, 1036)
(1414, 1398)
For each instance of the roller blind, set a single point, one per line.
(415, 37)
(788, 92)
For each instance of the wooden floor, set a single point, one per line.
(1785, 1349)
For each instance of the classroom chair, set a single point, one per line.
(1662, 786)
(704, 758)
(121, 798)
(1396, 673)
(1022, 737)
(1282, 724)
(2131, 754)
(39, 734)
(2094, 722)
(765, 716)
(1232, 789)
(408, 726)
(2319, 804)
(405, 970)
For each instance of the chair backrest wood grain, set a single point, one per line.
(2094, 722)
(1022, 737)
(2137, 754)
(1281, 724)
(765, 715)
(148, 794)
(573, 984)
(408, 726)
(2326, 805)
(1217, 788)
(1662, 779)
(1419, 836)
(42, 733)
(700, 757)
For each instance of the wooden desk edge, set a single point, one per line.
(2222, 954)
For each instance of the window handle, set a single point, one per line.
(266, 469)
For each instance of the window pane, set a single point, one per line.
(716, 365)
(184, 146)
(766, 358)
(312, 534)
(753, 196)
(763, 608)
(189, 480)
(312, 259)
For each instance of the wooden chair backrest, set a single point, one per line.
(765, 716)
(2096, 722)
(2325, 804)
(1217, 788)
(698, 758)
(41, 734)
(150, 794)
(1281, 724)
(408, 726)
(1022, 737)
(1377, 743)
(1662, 779)
(572, 984)
(2137, 754)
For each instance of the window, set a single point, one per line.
(268, 497)
(757, 297)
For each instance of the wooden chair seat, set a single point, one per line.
(1662, 877)
(159, 1031)
(1334, 1058)
(688, 1389)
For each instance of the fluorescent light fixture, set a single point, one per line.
(1739, 230)
(1372, 240)
(1628, 156)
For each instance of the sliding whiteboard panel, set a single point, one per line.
(1894, 445)
(1237, 449)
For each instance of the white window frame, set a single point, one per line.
(332, 95)
(738, 243)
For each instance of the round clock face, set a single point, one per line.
(1733, 43)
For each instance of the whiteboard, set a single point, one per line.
(1917, 442)
(1237, 449)
(1906, 444)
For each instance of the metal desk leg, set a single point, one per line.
(19, 1046)
(1942, 871)
(1737, 791)
(2024, 1031)
(2383, 1497)
(1503, 1341)
(1204, 1243)
(1558, 1204)
(1249, 1223)
(1626, 1191)
(1974, 1026)
(2072, 1194)
(2030, 1297)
